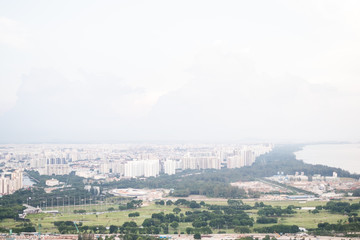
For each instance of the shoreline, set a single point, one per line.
(344, 156)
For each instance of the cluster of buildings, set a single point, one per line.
(107, 161)
(10, 182)
(301, 177)
(325, 186)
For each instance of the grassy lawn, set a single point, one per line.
(103, 218)
(6, 223)
(309, 220)
(302, 218)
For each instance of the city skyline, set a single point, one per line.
(113, 161)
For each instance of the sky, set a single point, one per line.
(179, 71)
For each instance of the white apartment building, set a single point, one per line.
(134, 168)
(11, 181)
(4, 185)
(113, 167)
(201, 162)
(139, 168)
(246, 155)
(151, 168)
(170, 167)
(236, 161)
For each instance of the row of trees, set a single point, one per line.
(24, 227)
(133, 204)
(340, 207)
(270, 211)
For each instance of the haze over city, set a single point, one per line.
(117, 71)
(180, 120)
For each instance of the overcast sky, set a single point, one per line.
(211, 71)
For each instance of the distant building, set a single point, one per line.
(246, 155)
(52, 182)
(55, 166)
(201, 160)
(140, 168)
(11, 182)
(170, 167)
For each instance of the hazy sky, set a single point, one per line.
(107, 71)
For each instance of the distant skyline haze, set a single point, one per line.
(196, 71)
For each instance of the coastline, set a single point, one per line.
(344, 155)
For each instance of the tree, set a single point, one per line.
(176, 210)
(134, 214)
(194, 204)
(315, 211)
(174, 225)
(189, 230)
(113, 229)
(267, 237)
(197, 236)
(161, 202)
(242, 229)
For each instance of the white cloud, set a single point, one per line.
(231, 99)
(11, 33)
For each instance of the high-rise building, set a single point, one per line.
(11, 182)
(201, 162)
(4, 185)
(134, 168)
(151, 168)
(139, 168)
(170, 167)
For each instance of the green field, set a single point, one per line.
(302, 218)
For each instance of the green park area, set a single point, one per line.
(107, 215)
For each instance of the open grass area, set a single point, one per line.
(98, 215)
(7, 223)
(309, 220)
(99, 218)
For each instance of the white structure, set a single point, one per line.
(246, 155)
(55, 166)
(201, 160)
(151, 168)
(134, 169)
(236, 161)
(139, 168)
(170, 167)
(11, 181)
(52, 182)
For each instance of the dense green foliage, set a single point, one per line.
(134, 214)
(270, 211)
(341, 207)
(72, 193)
(266, 220)
(22, 227)
(133, 204)
(327, 228)
(356, 192)
(278, 229)
(11, 211)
